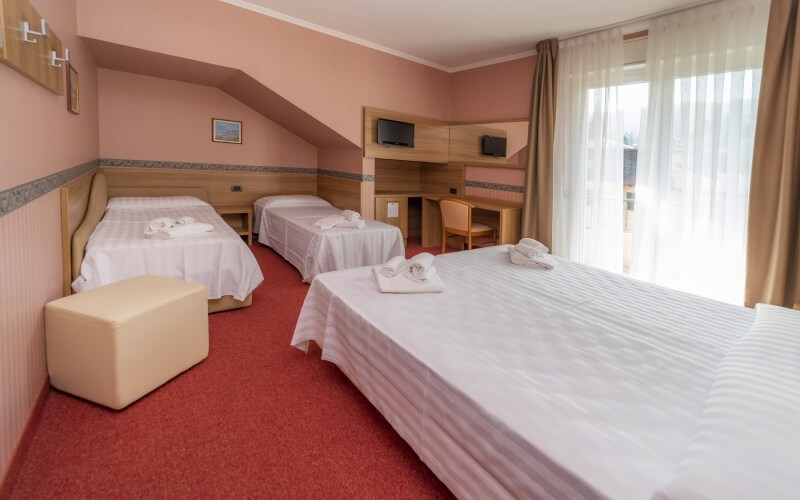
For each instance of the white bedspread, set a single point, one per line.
(218, 259)
(290, 231)
(517, 382)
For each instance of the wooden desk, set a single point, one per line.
(505, 216)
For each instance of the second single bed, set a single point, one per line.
(286, 224)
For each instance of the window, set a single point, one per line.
(633, 97)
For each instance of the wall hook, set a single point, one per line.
(54, 58)
(26, 30)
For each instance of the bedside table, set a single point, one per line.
(240, 218)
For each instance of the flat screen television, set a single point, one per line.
(494, 146)
(395, 133)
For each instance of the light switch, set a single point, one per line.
(393, 209)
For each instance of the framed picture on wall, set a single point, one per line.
(226, 131)
(73, 91)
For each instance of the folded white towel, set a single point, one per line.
(182, 231)
(521, 259)
(158, 224)
(352, 224)
(351, 214)
(531, 248)
(182, 221)
(401, 284)
(418, 267)
(329, 221)
(393, 266)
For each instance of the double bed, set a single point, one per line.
(570, 383)
(109, 245)
(286, 224)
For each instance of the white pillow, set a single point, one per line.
(154, 202)
(747, 445)
(292, 200)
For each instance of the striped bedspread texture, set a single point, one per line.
(290, 231)
(218, 259)
(523, 383)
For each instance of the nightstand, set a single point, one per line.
(240, 218)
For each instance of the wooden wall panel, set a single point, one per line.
(400, 220)
(218, 183)
(439, 179)
(397, 176)
(341, 193)
(30, 59)
(431, 138)
(466, 145)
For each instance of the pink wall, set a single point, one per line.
(511, 176)
(329, 78)
(488, 94)
(497, 92)
(43, 138)
(341, 160)
(146, 118)
(495, 175)
(38, 137)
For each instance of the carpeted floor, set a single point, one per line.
(257, 419)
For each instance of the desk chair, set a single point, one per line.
(457, 219)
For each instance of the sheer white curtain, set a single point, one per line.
(588, 151)
(696, 147)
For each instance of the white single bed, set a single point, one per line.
(117, 249)
(522, 383)
(286, 224)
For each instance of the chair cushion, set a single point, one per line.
(478, 227)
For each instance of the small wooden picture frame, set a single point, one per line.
(229, 131)
(73, 91)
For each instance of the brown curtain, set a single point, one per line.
(537, 204)
(773, 230)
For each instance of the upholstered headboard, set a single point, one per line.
(98, 199)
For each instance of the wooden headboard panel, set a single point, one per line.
(341, 193)
(197, 192)
(83, 203)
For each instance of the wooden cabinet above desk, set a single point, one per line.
(505, 216)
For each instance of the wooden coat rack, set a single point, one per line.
(34, 58)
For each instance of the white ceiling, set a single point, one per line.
(454, 35)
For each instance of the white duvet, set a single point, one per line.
(290, 231)
(217, 259)
(522, 383)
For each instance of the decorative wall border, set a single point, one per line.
(497, 187)
(224, 167)
(347, 175)
(18, 196)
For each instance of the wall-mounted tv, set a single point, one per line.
(395, 133)
(494, 146)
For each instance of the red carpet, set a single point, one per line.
(257, 419)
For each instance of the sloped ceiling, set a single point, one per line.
(232, 81)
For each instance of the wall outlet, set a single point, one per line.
(453, 191)
(236, 188)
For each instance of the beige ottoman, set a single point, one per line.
(114, 344)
